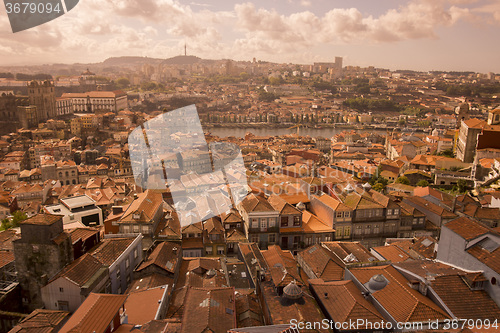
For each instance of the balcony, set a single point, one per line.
(262, 230)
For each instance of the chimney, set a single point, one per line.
(117, 210)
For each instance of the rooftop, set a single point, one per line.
(95, 314)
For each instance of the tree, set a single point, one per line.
(17, 218)
(447, 153)
(423, 183)
(462, 185)
(123, 82)
(403, 180)
(379, 187)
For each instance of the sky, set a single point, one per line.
(449, 35)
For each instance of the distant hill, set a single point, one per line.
(123, 61)
(182, 60)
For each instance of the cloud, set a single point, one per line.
(99, 29)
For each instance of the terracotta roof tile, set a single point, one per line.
(110, 249)
(402, 302)
(467, 228)
(142, 306)
(453, 290)
(95, 314)
(344, 302)
(164, 256)
(81, 270)
(214, 310)
(43, 219)
(322, 263)
(392, 253)
(41, 321)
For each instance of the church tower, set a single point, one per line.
(42, 251)
(42, 95)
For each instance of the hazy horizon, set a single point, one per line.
(421, 35)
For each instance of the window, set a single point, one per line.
(61, 290)
(126, 229)
(358, 230)
(368, 229)
(208, 250)
(389, 212)
(296, 220)
(254, 238)
(136, 228)
(328, 238)
(415, 220)
(272, 238)
(376, 229)
(255, 223)
(284, 221)
(238, 225)
(396, 211)
(339, 214)
(347, 232)
(127, 263)
(135, 254)
(220, 250)
(227, 226)
(347, 214)
(263, 223)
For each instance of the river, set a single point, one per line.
(264, 131)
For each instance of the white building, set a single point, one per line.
(92, 101)
(80, 208)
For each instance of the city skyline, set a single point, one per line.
(448, 35)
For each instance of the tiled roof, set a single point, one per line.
(43, 219)
(80, 271)
(248, 310)
(429, 191)
(392, 253)
(6, 238)
(214, 310)
(421, 202)
(343, 249)
(256, 203)
(143, 305)
(6, 257)
(110, 249)
(281, 205)
(146, 204)
(41, 321)
(164, 256)
(282, 310)
(344, 302)
(453, 290)
(426, 247)
(490, 258)
(402, 302)
(467, 228)
(151, 281)
(312, 224)
(95, 314)
(83, 233)
(323, 263)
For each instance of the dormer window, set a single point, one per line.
(136, 216)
